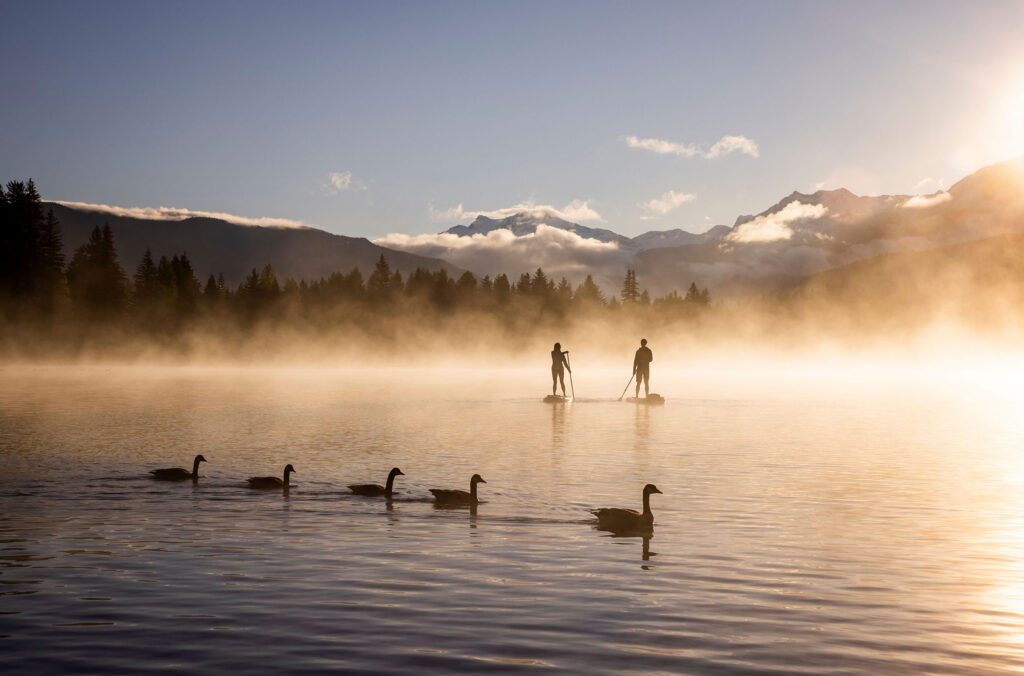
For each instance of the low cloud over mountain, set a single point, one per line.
(177, 214)
(559, 252)
(800, 235)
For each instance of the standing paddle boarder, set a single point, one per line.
(642, 368)
(558, 365)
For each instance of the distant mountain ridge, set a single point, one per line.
(215, 246)
(800, 235)
(526, 222)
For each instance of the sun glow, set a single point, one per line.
(1008, 117)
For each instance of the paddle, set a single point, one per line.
(572, 388)
(626, 387)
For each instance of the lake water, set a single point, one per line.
(810, 523)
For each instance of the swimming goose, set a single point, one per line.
(619, 520)
(376, 490)
(456, 497)
(178, 473)
(271, 481)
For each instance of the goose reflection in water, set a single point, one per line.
(645, 552)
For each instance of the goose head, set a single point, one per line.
(288, 468)
(200, 458)
(650, 488)
(477, 479)
(395, 472)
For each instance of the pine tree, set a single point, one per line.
(630, 292)
(379, 284)
(145, 281)
(212, 290)
(50, 279)
(693, 293)
(420, 283)
(96, 281)
(186, 285)
(588, 293)
(31, 250)
(502, 289)
(444, 289)
(540, 286)
(465, 287)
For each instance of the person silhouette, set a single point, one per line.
(642, 367)
(558, 366)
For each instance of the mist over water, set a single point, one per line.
(818, 516)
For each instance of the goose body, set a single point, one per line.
(376, 490)
(271, 481)
(454, 497)
(178, 473)
(626, 521)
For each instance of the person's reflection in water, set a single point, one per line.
(558, 427)
(642, 422)
(558, 366)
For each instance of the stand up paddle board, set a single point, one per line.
(556, 399)
(651, 399)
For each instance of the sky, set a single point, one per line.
(368, 118)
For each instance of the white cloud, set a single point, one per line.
(925, 201)
(723, 146)
(667, 202)
(773, 227)
(576, 211)
(344, 180)
(929, 184)
(558, 251)
(176, 214)
(728, 144)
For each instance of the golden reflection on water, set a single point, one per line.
(867, 521)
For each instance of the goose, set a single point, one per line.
(271, 481)
(376, 490)
(455, 497)
(619, 520)
(178, 473)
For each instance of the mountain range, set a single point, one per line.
(216, 246)
(801, 235)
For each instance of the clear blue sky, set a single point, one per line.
(249, 108)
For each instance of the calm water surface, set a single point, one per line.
(872, 525)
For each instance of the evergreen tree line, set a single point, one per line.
(164, 293)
